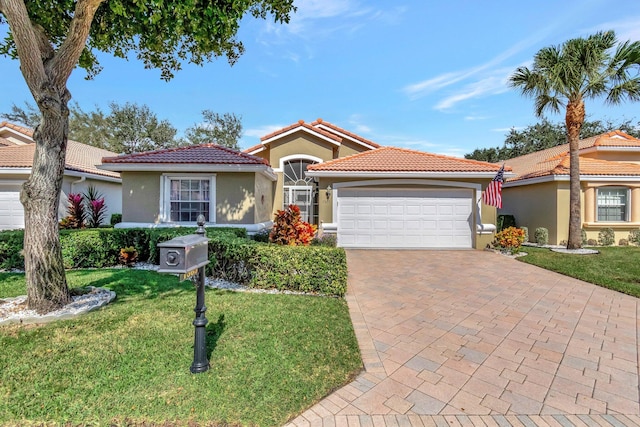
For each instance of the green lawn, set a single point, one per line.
(272, 356)
(615, 267)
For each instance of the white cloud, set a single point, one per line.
(503, 130)
(356, 125)
(473, 117)
(490, 85)
(261, 131)
(626, 29)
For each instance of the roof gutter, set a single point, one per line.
(189, 167)
(345, 174)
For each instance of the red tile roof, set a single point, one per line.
(23, 130)
(392, 159)
(328, 130)
(555, 160)
(80, 158)
(193, 154)
(302, 124)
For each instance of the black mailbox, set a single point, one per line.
(183, 254)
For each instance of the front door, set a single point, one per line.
(301, 196)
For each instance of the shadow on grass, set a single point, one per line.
(214, 332)
(130, 283)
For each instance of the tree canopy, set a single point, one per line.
(222, 129)
(546, 134)
(564, 76)
(133, 128)
(51, 38)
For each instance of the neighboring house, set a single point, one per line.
(371, 196)
(171, 187)
(538, 196)
(16, 159)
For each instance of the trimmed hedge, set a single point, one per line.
(505, 221)
(234, 257)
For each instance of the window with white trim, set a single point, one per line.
(186, 197)
(612, 204)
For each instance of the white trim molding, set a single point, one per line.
(407, 175)
(297, 157)
(165, 196)
(303, 129)
(480, 227)
(265, 170)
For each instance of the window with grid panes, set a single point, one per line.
(612, 204)
(189, 198)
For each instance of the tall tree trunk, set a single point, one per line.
(574, 120)
(46, 282)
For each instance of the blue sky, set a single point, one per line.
(418, 74)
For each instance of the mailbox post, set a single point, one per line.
(185, 255)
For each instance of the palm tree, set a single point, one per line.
(566, 75)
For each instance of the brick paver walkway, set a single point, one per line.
(472, 338)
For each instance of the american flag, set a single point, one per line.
(492, 196)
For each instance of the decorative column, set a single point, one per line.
(635, 205)
(589, 205)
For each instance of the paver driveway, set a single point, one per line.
(470, 336)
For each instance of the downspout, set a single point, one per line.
(82, 179)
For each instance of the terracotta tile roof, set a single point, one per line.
(393, 159)
(193, 154)
(301, 123)
(80, 158)
(5, 142)
(23, 130)
(343, 131)
(553, 161)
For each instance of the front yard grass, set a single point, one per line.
(271, 356)
(615, 267)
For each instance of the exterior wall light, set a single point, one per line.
(328, 193)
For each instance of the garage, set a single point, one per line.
(405, 218)
(11, 211)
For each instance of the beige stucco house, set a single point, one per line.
(16, 159)
(538, 194)
(371, 196)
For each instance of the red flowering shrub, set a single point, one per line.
(289, 229)
(510, 239)
(75, 212)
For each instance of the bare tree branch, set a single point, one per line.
(69, 53)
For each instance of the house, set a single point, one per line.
(538, 194)
(16, 159)
(372, 196)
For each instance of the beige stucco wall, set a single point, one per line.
(589, 207)
(265, 191)
(533, 206)
(140, 196)
(235, 198)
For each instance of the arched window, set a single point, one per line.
(299, 189)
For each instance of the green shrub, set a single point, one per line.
(230, 257)
(83, 249)
(526, 233)
(592, 242)
(542, 236)
(623, 242)
(116, 218)
(316, 269)
(505, 221)
(262, 235)
(11, 244)
(583, 236)
(634, 237)
(606, 237)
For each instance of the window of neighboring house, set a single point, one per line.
(188, 197)
(612, 204)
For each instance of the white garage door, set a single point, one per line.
(11, 211)
(404, 218)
